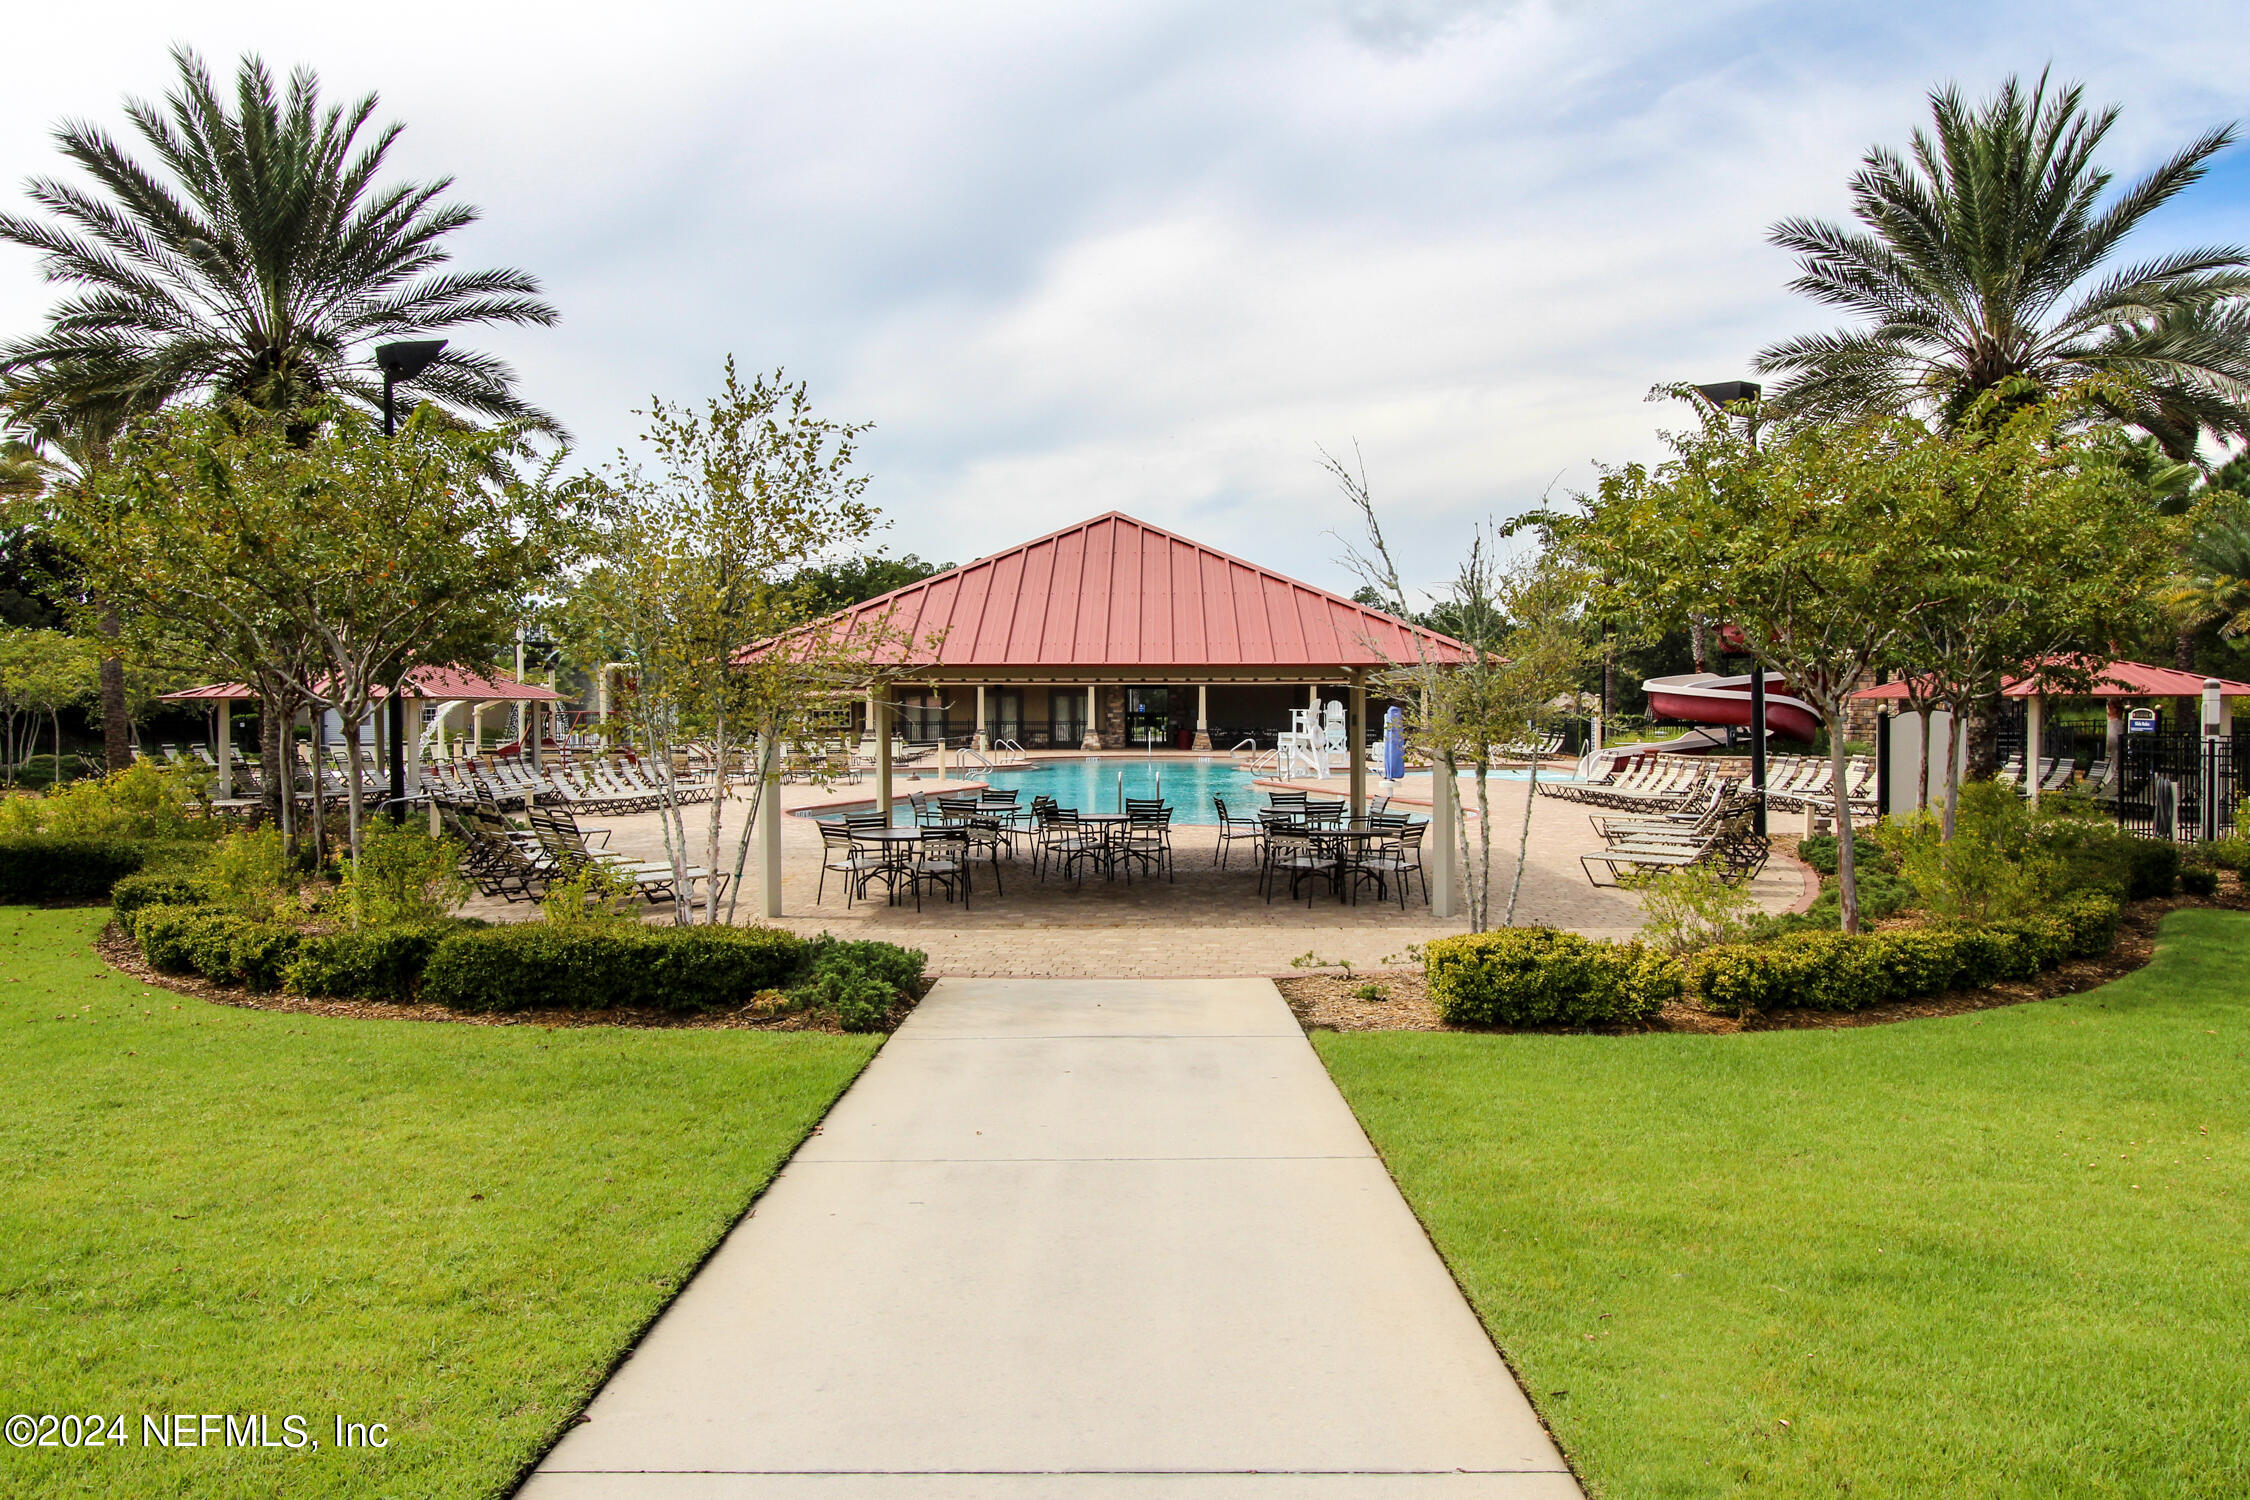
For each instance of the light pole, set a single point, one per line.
(400, 361)
(1726, 395)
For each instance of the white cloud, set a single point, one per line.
(1148, 256)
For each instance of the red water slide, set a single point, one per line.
(1708, 698)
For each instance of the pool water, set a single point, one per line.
(1092, 784)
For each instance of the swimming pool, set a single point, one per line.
(1091, 784)
(1096, 783)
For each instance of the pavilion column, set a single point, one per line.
(1312, 701)
(769, 829)
(224, 750)
(1356, 746)
(1202, 740)
(879, 705)
(2034, 740)
(412, 744)
(1444, 873)
(979, 740)
(1093, 739)
(476, 730)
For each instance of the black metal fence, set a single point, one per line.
(2180, 786)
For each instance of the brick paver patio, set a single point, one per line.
(1207, 922)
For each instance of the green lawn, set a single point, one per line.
(1991, 1255)
(451, 1230)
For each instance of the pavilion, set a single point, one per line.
(442, 689)
(1117, 634)
(2118, 686)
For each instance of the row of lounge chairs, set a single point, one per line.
(518, 863)
(1716, 830)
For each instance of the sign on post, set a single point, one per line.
(2140, 721)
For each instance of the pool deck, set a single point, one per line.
(1207, 922)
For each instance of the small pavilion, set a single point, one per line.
(448, 689)
(2118, 686)
(1117, 634)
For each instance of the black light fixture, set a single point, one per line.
(1725, 394)
(400, 361)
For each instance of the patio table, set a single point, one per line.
(896, 846)
(1346, 841)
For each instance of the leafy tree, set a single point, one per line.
(312, 557)
(2212, 585)
(1983, 264)
(42, 672)
(855, 580)
(1526, 627)
(1807, 544)
(700, 572)
(255, 256)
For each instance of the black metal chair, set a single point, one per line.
(1234, 830)
(1148, 838)
(941, 858)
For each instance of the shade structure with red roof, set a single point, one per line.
(2117, 679)
(1069, 635)
(432, 684)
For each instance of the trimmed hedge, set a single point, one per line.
(155, 888)
(375, 963)
(538, 966)
(1537, 976)
(216, 944)
(50, 867)
(1845, 972)
(2199, 880)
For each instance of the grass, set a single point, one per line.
(1997, 1254)
(451, 1230)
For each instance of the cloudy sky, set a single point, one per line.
(1080, 256)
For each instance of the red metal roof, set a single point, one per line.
(2118, 679)
(445, 684)
(1116, 592)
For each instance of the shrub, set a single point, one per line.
(217, 944)
(402, 877)
(1868, 856)
(2089, 919)
(859, 982)
(252, 874)
(372, 963)
(595, 895)
(542, 966)
(859, 1000)
(1537, 976)
(2199, 880)
(156, 888)
(1691, 908)
(62, 867)
(145, 801)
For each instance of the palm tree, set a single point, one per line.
(1979, 267)
(2214, 579)
(257, 259)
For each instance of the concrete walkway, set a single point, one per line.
(1072, 1238)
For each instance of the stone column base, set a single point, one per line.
(1091, 742)
(1202, 740)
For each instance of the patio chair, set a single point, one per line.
(1398, 859)
(941, 858)
(1234, 830)
(839, 853)
(1291, 851)
(1148, 838)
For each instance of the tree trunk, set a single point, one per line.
(718, 812)
(2183, 649)
(117, 726)
(1523, 836)
(1698, 646)
(54, 717)
(1984, 737)
(354, 799)
(1953, 733)
(1929, 753)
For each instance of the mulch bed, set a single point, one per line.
(117, 950)
(1328, 1002)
